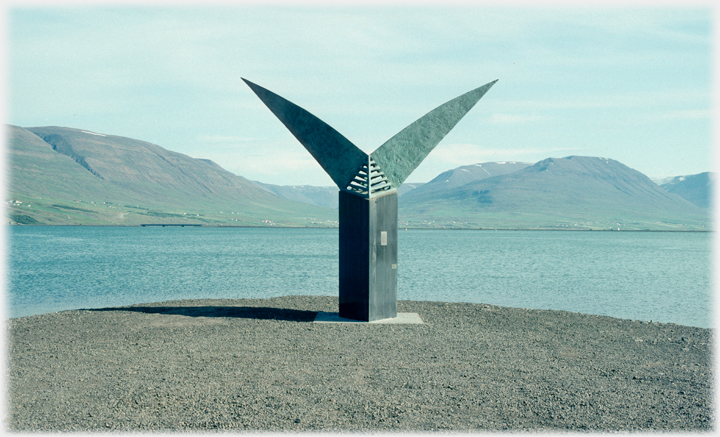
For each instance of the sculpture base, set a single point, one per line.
(401, 319)
(368, 256)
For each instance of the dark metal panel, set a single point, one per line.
(354, 214)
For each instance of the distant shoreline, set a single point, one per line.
(175, 225)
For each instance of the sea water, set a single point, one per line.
(660, 276)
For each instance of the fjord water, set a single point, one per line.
(659, 276)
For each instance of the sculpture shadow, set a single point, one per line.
(262, 313)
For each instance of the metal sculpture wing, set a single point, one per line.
(401, 154)
(386, 168)
(336, 154)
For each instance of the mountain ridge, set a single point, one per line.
(577, 192)
(465, 174)
(51, 166)
(696, 189)
(73, 176)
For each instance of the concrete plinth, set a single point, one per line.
(401, 319)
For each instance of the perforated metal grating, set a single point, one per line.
(369, 185)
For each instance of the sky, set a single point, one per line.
(633, 84)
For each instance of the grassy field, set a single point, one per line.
(53, 211)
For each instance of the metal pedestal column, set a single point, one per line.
(368, 256)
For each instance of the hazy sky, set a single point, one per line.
(630, 84)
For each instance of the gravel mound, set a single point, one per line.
(263, 365)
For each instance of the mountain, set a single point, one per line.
(320, 196)
(70, 176)
(574, 192)
(697, 189)
(464, 175)
(406, 187)
(662, 181)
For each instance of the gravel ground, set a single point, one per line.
(262, 365)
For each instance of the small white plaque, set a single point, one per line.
(383, 238)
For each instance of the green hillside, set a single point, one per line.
(62, 176)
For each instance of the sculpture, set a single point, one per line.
(368, 201)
